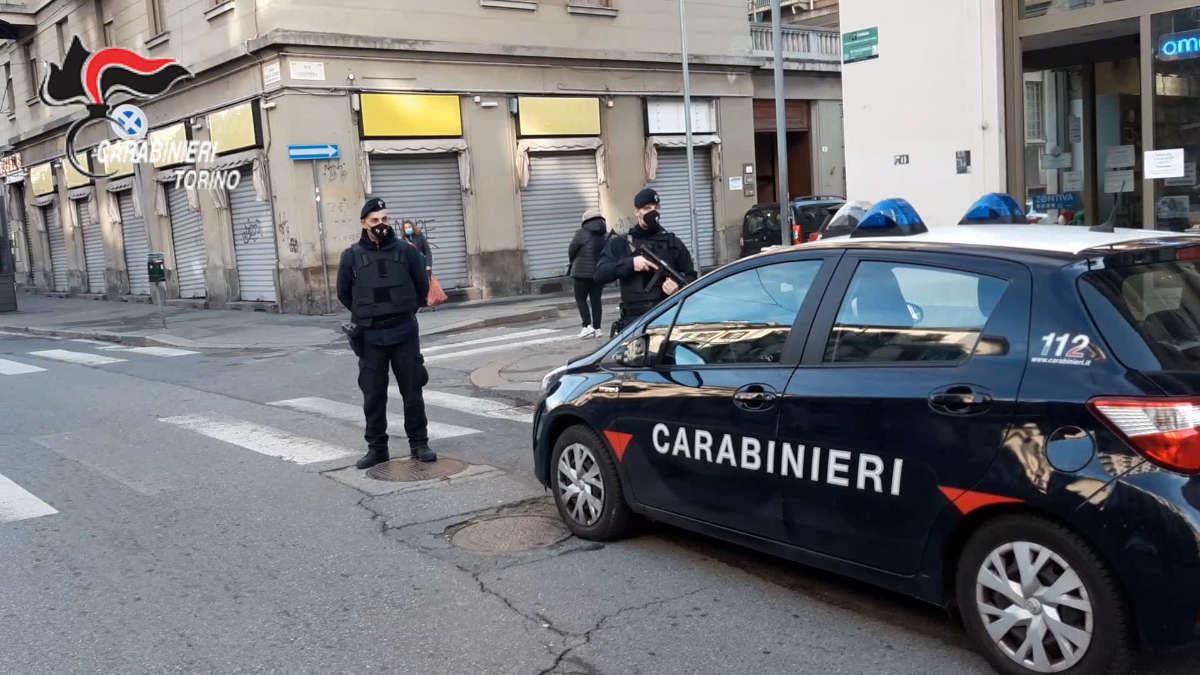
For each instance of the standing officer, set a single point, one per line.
(382, 282)
(635, 272)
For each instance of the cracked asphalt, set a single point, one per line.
(173, 551)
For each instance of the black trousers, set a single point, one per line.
(406, 363)
(587, 290)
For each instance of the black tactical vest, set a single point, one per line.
(635, 297)
(382, 284)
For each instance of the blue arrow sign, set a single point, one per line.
(300, 152)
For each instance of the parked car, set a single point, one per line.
(842, 221)
(760, 225)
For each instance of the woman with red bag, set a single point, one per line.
(414, 236)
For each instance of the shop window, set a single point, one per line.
(1035, 121)
(1177, 115)
(1035, 8)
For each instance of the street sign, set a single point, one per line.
(302, 152)
(860, 45)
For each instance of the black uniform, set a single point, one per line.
(383, 286)
(616, 262)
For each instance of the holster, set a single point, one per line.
(356, 336)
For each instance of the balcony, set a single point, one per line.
(803, 48)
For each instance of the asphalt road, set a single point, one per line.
(192, 512)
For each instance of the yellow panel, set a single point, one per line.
(171, 143)
(545, 116)
(232, 128)
(411, 115)
(74, 178)
(117, 162)
(41, 178)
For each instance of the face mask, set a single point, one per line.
(650, 220)
(408, 231)
(381, 231)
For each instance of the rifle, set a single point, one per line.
(661, 274)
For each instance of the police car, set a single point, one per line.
(1000, 418)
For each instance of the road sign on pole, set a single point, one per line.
(303, 152)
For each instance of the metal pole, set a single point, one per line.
(781, 169)
(321, 231)
(147, 209)
(687, 130)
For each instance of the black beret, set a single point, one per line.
(645, 198)
(373, 204)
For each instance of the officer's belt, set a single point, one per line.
(391, 321)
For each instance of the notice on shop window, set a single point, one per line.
(1188, 179)
(1119, 157)
(1118, 181)
(1164, 163)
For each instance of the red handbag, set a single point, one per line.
(436, 295)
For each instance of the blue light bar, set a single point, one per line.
(995, 209)
(890, 218)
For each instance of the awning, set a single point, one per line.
(119, 185)
(17, 177)
(236, 160)
(571, 144)
(43, 200)
(653, 143)
(417, 146)
(79, 193)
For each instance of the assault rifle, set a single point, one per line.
(661, 274)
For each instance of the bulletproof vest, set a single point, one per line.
(634, 294)
(382, 284)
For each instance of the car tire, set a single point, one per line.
(586, 486)
(1091, 607)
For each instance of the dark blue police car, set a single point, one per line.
(999, 418)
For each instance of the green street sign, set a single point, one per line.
(860, 45)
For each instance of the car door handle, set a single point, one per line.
(960, 399)
(755, 397)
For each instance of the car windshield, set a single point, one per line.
(1149, 314)
(762, 219)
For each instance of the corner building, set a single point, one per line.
(493, 123)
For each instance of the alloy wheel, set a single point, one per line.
(580, 484)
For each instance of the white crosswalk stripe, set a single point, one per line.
(347, 412)
(487, 340)
(91, 342)
(17, 503)
(261, 439)
(15, 368)
(498, 348)
(472, 405)
(78, 358)
(165, 352)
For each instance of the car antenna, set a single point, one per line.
(1111, 223)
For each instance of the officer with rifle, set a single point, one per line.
(651, 262)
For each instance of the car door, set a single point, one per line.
(702, 416)
(902, 399)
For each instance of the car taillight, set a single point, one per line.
(815, 236)
(795, 234)
(1164, 430)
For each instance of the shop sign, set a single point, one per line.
(10, 164)
(235, 128)
(411, 115)
(666, 116)
(1058, 202)
(41, 179)
(558, 116)
(860, 45)
(1179, 46)
(74, 178)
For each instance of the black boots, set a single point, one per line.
(372, 458)
(422, 453)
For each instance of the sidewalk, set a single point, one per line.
(138, 324)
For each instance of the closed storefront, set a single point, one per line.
(137, 248)
(253, 241)
(187, 235)
(561, 187)
(427, 189)
(58, 245)
(671, 182)
(93, 245)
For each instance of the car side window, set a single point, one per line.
(745, 318)
(900, 313)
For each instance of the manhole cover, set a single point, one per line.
(406, 469)
(510, 534)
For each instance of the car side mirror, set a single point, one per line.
(634, 354)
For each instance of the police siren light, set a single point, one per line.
(995, 208)
(893, 217)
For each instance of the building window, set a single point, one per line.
(158, 20)
(103, 22)
(8, 105)
(31, 70)
(60, 33)
(1035, 122)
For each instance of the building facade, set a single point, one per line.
(493, 124)
(1054, 101)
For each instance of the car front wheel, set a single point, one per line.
(1035, 598)
(587, 489)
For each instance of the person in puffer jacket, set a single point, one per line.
(584, 252)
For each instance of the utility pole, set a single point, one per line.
(781, 169)
(687, 129)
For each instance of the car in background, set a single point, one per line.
(761, 228)
(841, 222)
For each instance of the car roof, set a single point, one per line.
(1052, 240)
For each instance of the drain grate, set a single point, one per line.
(510, 534)
(407, 470)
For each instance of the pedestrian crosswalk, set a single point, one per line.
(12, 366)
(347, 412)
(17, 503)
(261, 439)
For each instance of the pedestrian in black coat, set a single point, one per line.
(417, 237)
(584, 253)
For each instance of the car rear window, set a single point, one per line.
(1154, 307)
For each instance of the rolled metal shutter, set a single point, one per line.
(93, 247)
(28, 251)
(187, 235)
(561, 187)
(58, 246)
(672, 188)
(426, 189)
(137, 248)
(253, 241)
